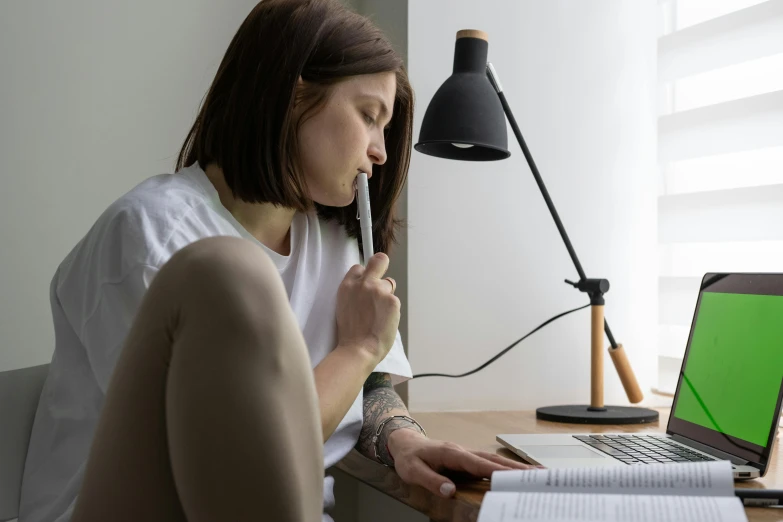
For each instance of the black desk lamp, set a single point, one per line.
(465, 121)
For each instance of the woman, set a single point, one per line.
(249, 363)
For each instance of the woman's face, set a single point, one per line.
(346, 136)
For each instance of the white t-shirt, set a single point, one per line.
(94, 297)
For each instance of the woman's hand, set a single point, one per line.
(419, 460)
(368, 312)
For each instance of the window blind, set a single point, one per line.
(720, 153)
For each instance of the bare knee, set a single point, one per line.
(214, 255)
(226, 260)
(233, 308)
(226, 272)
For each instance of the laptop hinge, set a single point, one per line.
(708, 449)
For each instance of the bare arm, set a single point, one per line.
(338, 379)
(368, 314)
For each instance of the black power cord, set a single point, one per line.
(498, 356)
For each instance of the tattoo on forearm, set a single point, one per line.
(377, 380)
(380, 401)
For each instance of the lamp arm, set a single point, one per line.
(493, 78)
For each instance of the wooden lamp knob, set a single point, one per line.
(472, 33)
(626, 374)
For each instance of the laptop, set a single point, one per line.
(727, 402)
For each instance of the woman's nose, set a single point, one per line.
(377, 154)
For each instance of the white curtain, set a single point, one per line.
(720, 153)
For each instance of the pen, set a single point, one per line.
(365, 218)
(760, 497)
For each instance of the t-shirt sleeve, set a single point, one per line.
(111, 271)
(396, 363)
(105, 330)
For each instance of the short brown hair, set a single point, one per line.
(246, 124)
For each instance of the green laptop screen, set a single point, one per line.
(734, 368)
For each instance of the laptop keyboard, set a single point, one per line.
(642, 449)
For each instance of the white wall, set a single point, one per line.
(486, 263)
(94, 97)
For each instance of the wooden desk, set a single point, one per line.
(477, 430)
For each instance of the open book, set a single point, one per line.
(681, 492)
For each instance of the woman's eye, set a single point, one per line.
(369, 119)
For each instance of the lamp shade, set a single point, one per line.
(465, 119)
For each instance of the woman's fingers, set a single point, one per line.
(377, 266)
(459, 459)
(421, 474)
(503, 461)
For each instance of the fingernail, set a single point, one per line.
(447, 489)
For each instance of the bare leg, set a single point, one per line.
(211, 413)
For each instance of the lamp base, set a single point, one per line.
(583, 414)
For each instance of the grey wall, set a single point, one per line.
(95, 96)
(392, 17)
(357, 502)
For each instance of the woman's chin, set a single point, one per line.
(341, 200)
(347, 201)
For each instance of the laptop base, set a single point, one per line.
(583, 414)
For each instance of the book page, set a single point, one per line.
(575, 507)
(693, 478)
